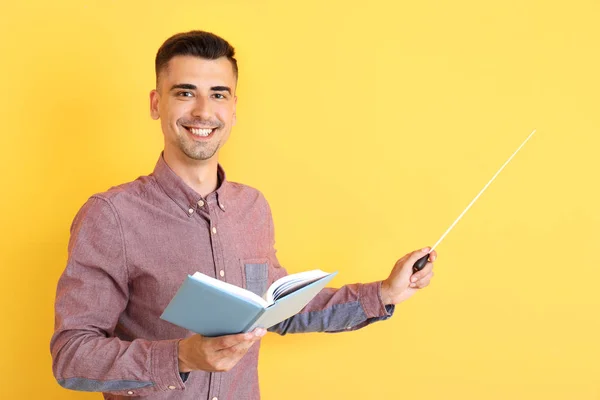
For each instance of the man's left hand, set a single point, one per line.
(402, 283)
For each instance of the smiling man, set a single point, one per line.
(195, 102)
(132, 246)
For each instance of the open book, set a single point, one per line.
(212, 307)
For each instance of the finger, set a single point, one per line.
(415, 256)
(258, 333)
(225, 342)
(433, 256)
(242, 338)
(420, 274)
(423, 282)
(237, 351)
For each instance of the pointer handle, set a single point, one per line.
(420, 263)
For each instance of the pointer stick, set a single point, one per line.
(420, 264)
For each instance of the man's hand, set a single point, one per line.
(402, 283)
(215, 354)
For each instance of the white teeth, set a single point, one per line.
(200, 132)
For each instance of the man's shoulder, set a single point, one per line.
(244, 191)
(138, 188)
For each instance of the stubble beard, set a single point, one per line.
(198, 151)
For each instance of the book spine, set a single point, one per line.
(251, 324)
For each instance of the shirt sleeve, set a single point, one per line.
(348, 308)
(91, 294)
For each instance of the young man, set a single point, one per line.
(132, 246)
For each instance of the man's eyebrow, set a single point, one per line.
(221, 89)
(190, 86)
(184, 86)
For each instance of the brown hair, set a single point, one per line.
(194, 43)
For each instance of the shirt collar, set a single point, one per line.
(186, 197)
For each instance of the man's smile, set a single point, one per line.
(199, 132)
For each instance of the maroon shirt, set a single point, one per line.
(132, 247)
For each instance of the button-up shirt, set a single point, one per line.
(131, 248)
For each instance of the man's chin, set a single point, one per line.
(200, 156)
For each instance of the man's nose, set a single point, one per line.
(202, 108)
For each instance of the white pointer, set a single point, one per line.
(482, 190)
(420, 263)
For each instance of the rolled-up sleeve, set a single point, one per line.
(91, 294)
(348, 308)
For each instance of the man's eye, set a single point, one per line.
(185, 94)
(219, 96)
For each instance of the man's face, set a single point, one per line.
(195, 101)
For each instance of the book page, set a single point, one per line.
(228, 287)
(291, 283)
(291, 304)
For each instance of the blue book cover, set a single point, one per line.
(212, 307)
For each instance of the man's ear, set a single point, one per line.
(154, 97)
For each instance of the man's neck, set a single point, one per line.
(200, 175)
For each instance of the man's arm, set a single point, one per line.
(354, 306)
(91, 294)
(357, 305)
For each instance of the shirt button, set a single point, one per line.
(214, 230)
(200, 203)
(222, 273)
(130, 392)
(222, 206)
(191, 210)
(214, 398)
(171, 387)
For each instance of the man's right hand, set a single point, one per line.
(215, 354)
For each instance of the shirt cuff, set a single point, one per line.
(370, 300)
(165, 365)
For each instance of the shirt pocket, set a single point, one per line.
(256, 275)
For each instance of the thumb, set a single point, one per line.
(407, 268)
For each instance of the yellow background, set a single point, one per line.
(369, 126)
